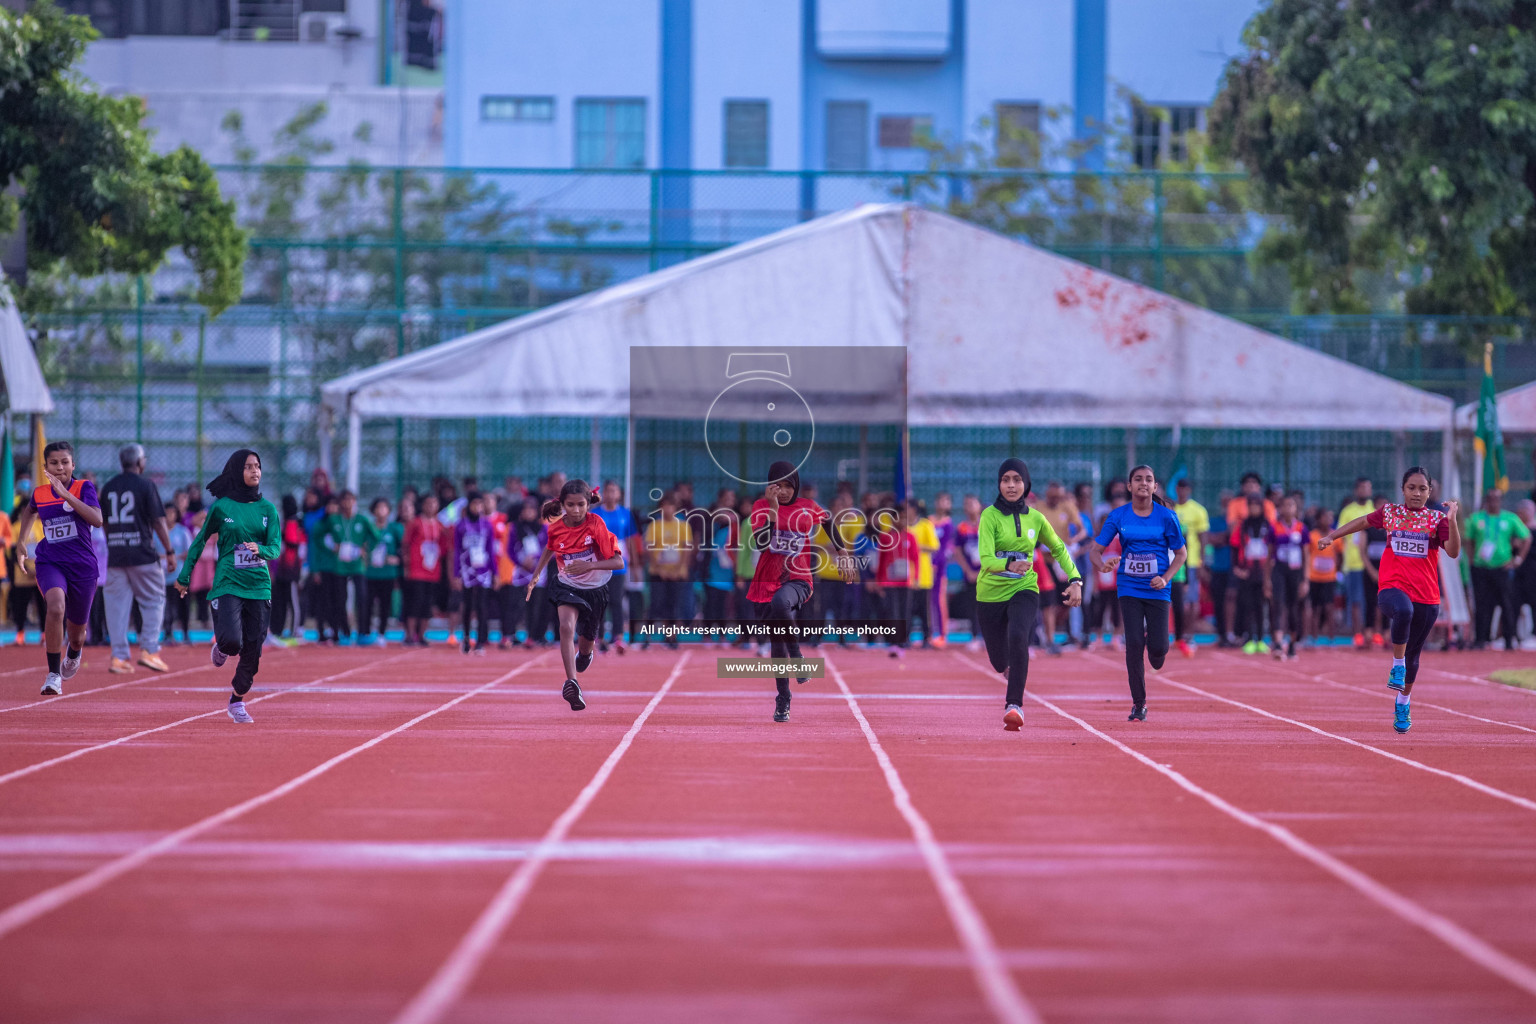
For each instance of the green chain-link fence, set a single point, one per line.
(351, 266)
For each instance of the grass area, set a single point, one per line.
(1523, 677)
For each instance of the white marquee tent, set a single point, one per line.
(1517, 411)
(996, 332)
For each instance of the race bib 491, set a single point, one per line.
(1140, 565)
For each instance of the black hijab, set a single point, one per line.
(785, 473)
(231, 483)
(1003, 505)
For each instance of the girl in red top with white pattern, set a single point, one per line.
(1410, 575)
(783, 526)
(585, 552)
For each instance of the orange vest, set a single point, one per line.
(44, 495)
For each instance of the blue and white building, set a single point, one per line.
(839, 85)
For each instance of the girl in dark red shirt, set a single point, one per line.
(1410, 576)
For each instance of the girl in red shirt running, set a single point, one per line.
(783, 525)
(585, 552)
(1410, 575)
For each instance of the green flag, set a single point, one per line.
(1489, 440)
(7, 467)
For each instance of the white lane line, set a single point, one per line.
(1442, 928)
(1388, 695)
(35, 906)
(149, 677)
(455, 974)
(1502, 687)
(997, 985)
(1470, 783)
(82, 751)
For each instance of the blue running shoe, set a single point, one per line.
(1398, 678)
(1402, 719)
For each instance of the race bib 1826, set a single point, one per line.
(1410, 545)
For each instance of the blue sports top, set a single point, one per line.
(1145, 543)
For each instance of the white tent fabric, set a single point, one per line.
(1517, 411)
(996, 332)
(25, 389)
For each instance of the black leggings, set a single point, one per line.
(786, 601)
(240, 627)
(1285, 601)
(476, 603)
(1146, 630)
(178, 611)
(513, 608)
(1006, 627)
(282, 602)
(380, 602)
(1493, 588)
(1250, 604)
(1176, 590)
(1410, 624)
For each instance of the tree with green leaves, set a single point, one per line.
(1398, 141)
(97, 199)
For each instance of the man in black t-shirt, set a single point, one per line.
(133, 517)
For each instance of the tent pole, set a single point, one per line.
(629, 462)
(863, 458)
(354, 449)
(596, 479)
(1130, 449)
(1450, 472)
(324, 425)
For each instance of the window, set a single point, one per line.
(1017, 141)
(517, 108)
(847, 135)
(177, 17)
(746, 133)
(903, 132)
(610, 133)
(1160, 134)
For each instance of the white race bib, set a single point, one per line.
(380, 556)
(430, 553)
(1409, 546)
(57, 530)
(478, 557)
(349, 552)
(1010, 556)
(1293, 556)
(897, 570)
(669, 556)
(786, 542)
(245, 558)
(1140, 565)
(1257, 549)
(1485, 551)
(1322, 564)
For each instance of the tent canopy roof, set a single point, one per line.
(1517, 411)
(996, 331)
(25, 389)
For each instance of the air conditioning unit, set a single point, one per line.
(318, 27)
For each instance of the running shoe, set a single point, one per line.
(1251, 647)
(1397, 679)
(898, 652)
(1186, 649)
(217, 656)
(153, 662)
(1377, 640)
(583, 661)
(69, 666)
(1013, 718)
(21, 639)
(119, 667)
(1138, 714)
(781, 708)
(478, 652)
(238, 714)
(940, 642)
(1402, 717)
(1359, 640)
(53, 685)
(620, 647)
(1290, 650)
(1263, 646)
(1279, 651)
(571, 691)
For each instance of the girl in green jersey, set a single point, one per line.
(249, 530)
(1007, 591)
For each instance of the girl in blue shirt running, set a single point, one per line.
(1151, 552)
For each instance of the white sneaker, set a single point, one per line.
(53, 685)
(218, 658)
(69, 666)
(238, 713)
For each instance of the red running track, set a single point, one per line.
(412, 837)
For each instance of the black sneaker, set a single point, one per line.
(1138, 714)
(583, 661)
(571, 691)
(781, 708)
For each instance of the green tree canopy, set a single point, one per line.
(1398, 140)
(96, 197)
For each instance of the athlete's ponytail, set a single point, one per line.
(556, 506)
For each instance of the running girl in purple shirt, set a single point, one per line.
(66, 562)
